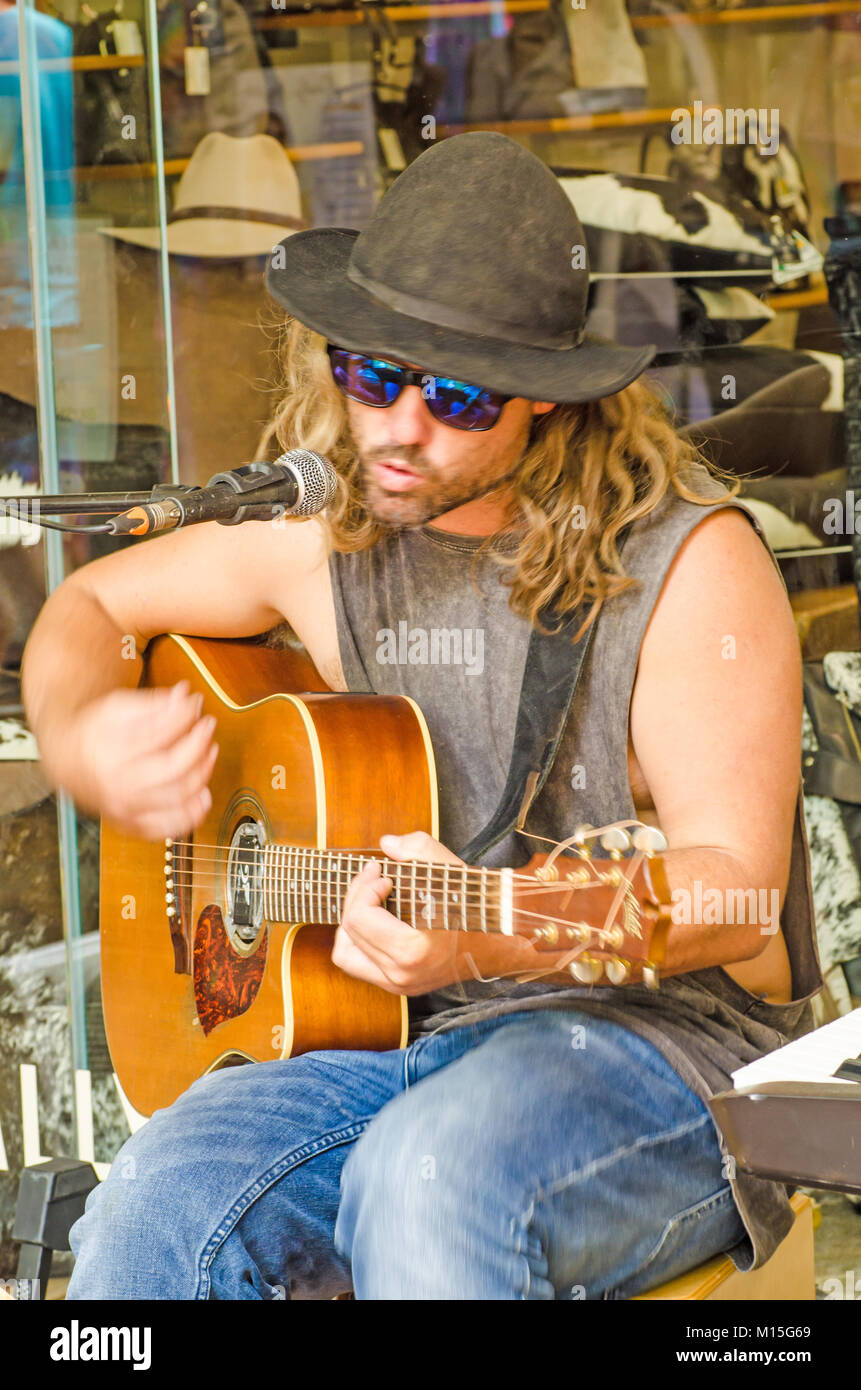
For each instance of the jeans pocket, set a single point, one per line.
(689, 1238)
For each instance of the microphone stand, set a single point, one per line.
(248, 478)
(95, 503)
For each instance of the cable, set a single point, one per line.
(101, 529)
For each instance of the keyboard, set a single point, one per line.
(795, 1114)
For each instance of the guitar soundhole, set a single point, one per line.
(225, 984)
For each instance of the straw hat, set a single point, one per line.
(237, 197)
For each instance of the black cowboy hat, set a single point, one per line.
(473, 266)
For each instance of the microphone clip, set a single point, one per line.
(249, 478)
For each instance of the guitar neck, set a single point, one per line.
(310, 885)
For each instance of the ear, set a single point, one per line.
(542, 407)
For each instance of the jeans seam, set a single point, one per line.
(332, 1140)
(607, 1160)
(698, 1209)
(597, 1166)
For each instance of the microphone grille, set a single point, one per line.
(318, 479)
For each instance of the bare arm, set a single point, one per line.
(715, 723)
(83, 660)
(716, 727)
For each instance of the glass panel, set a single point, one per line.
(85, 391)
(152, 153)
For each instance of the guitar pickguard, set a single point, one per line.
(225, 983)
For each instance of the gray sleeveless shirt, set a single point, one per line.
(423, 614)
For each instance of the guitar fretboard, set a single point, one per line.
(310, 885)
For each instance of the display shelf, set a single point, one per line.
(798, 299)
(759, 14)
(565, 125)
(89, 62)
(297, 154)
(460, 9)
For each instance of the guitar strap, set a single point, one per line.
(553, 665)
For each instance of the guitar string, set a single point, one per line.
(475, 895)
(316, 881)
(318, 873)
(469, 903)
(477, 931)
(324, 869)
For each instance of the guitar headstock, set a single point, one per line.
(613, 913)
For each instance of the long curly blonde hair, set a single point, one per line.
(586, 473)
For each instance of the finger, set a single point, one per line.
(383, 937)
(155, 723)
(352, 959)
(368, 875)
(175, 822)
(169, 793)
(417, 845)
(180, 762)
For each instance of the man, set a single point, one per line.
(537, 1139)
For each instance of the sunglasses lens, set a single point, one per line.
(364, 378)
(374, 382)
(464, 407)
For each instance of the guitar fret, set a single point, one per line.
(414, 922)
(399, 909)
(483, 899)
(463, 884)
(303, 879)
(430, 906)
(285, 884)
(445, 896)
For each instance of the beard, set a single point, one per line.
(437, 492)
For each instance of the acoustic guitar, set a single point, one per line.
(216, 947)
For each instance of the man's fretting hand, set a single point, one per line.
(374, 945)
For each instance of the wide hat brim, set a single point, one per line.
(208, 237)
(309, 278)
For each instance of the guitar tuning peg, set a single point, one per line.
(582, 833)
(618, 970)
(651, 979)
(616, 840)
(649, 839)
(587, 969)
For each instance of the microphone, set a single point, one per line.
(299, 483)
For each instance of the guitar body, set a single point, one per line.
(185, 995)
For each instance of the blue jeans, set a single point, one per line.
(542, 1154)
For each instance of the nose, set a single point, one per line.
(409, 421)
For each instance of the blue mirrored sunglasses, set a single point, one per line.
(373, 382)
